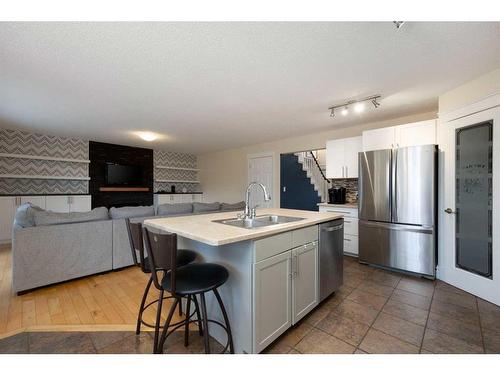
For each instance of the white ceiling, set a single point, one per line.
(211, 86)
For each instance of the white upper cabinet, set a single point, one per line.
(378, 139)
(414, 134)
(342, 157)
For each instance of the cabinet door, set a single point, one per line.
(80, 203)
(379, 139)
(197, 198)
(164, 198)
(352, 147)
(37, 200)
(272, 299)
(416, 134)
(304, 280)
(7, 212)
(57, 203)
(335, 161)
(177, 198)
(187, 198)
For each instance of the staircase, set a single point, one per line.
(314, 173)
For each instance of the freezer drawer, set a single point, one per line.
(405, 247)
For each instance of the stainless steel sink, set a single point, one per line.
(259, 221)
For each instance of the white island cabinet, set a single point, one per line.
(273, 271)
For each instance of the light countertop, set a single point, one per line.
(202, 228)
(346, 205)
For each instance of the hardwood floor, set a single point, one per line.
(102, 302)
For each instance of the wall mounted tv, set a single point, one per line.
(123, 175)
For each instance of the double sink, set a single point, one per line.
(259, 221)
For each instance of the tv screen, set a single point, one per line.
(117, 174)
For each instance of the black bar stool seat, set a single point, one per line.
(196, 278)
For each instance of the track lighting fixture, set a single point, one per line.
(358, 105)
(398, 24)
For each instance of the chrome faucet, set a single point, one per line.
(250, 213)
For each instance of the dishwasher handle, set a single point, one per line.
(333, 229)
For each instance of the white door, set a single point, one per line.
(260, 169)
(304, 280)
(37, 200)
(80, 203)
(272, 299)
(352, 146)
(470, 220)
(378, 139)
(335, 160)
(7, 212)
(416, 134)
(57, 203)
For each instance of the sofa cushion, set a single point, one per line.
(206, 207)
(175, 208)
(126, 212)
(43, 218)
(232, 206)
(25, 215)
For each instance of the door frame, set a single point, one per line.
(447, 271)
(274, 196)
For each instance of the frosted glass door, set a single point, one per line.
(473, 173)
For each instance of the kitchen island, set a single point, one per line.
(273, 270)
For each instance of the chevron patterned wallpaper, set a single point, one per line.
(24, 143)
(177, 160)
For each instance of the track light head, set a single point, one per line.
(375, 103)
(398, 24)
(332, 113)
(345, 111)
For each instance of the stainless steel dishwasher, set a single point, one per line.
(331, 253)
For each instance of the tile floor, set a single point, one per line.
(378, 311)
(375, 311)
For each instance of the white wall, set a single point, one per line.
(470, 92)
(223, 174)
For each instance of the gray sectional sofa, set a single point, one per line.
(50, 247)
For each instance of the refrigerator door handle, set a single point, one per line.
(394, 186)
(399, 227)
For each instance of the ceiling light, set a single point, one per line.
(359, 107)
(147, 136)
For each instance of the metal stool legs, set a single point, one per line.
(226, 321)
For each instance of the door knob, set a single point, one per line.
(449, 211)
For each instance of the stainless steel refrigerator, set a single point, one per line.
(397, 208)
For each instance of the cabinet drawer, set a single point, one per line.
(304, 235)
(346, 212)
(351, 226)
(350, 244)
(270, 246)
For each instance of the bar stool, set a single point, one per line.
(135, 235)
(185, 282)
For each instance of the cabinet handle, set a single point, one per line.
(347, 221)
(347, 239)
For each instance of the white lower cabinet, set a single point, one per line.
(80, 203)
(285, 284)
(350, 226)
(304, 280)
(57, 203)
(272, 299)
(177, 198)
(7, 212)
